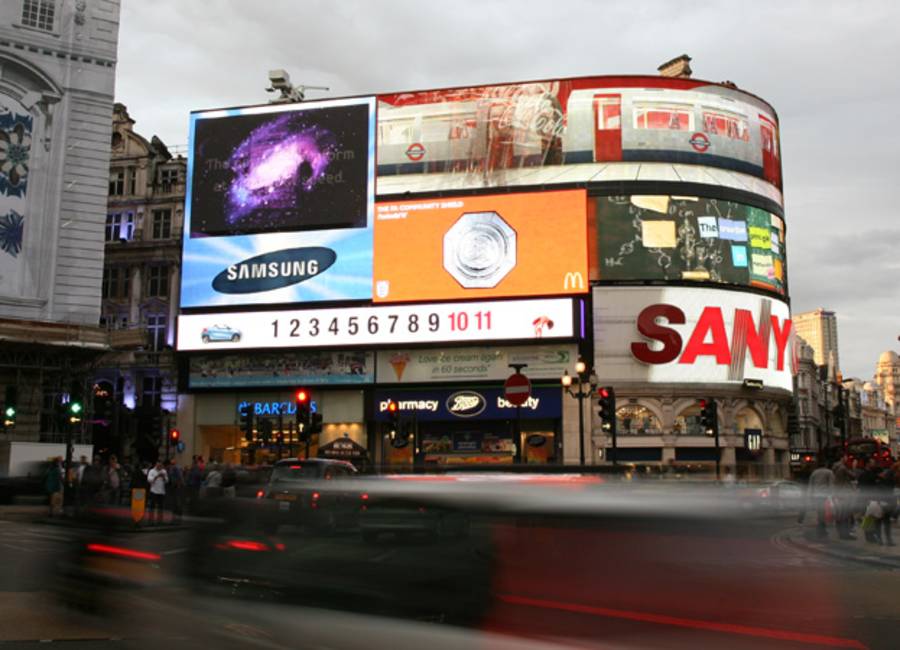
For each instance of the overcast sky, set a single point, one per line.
(829, 69)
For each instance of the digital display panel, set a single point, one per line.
(398, 324)
(577, 130)
(279, 205)
(512, 245)
(692, 335)
(660, 237)
(297, 368)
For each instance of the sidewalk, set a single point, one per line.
(23, 512)
(858, 550)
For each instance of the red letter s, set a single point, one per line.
(648, 327)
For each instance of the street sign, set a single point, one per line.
(517, 389)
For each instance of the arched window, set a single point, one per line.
(634, 419)
(687, 423)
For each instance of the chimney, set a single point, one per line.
(680, 67)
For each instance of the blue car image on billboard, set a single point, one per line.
(220, 333)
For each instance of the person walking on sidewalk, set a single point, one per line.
(818, 492)
(869, 502)
(884, 486)
(176, 487)
(53, 484)
(845, 499)
(157, 478)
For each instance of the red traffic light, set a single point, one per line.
(603, 392)
(703, 403)
(392, 406)
(174, 435)
(302, 395)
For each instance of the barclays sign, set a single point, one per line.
(272, 408)
(274, 270)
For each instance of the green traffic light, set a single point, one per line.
(10, 411)
(75, 407)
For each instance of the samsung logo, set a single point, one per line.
(466, 404)
(274, 270)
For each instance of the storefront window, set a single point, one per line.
(688, 422)
(634, 419)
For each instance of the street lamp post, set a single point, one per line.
(585, 382)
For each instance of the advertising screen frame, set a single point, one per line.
(332, 264)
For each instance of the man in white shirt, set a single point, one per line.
(157, 478)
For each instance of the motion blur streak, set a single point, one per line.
(122, 552)
(662, 619)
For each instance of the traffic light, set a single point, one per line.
(394, 414)
(174, 436)
(10, 407)
(301, 397)
(315, 423)
(246, 414)
(709, 417)
(76, 410)
(265, 430)
(606, 408)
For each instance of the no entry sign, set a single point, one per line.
(517, 389)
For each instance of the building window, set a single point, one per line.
(168, 179)
(109, 288)
(119, 225)
(156, 327)
(158, 281)
(117, 182)
(162, 224)
(151, 391)
(39, 14)
(132, 180)
(634, 419)
(687, 423)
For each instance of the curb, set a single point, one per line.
(880, 562)
(87, 524)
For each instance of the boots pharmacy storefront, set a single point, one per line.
(451, 408)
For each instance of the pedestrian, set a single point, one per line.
(194, 483)
(176, 489)
(212, 485)
(844, 498)
(93, 483)
(113, 481)
(869, 501)
(884, 486)
(157, 478)
(53, 484)
(819, 492)
(229, 481)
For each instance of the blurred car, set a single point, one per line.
(405, 518)
(27, 483)
(220, 333)
(311, 492)
(777, 496)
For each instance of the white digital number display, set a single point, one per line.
(401, 324)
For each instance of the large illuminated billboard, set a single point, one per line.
(460, 322)
(279, 204)
(692, 335)
(520, 134)
(659, 237)
(477, 247)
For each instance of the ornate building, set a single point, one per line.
(57, 72)
(140, 284)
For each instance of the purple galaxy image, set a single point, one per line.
(303, 169)
(276, 165)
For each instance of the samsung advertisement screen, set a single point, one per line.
(280, 204)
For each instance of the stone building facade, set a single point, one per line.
(57, 73)
(140, 283)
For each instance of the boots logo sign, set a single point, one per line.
(466, 404)
(693, 336)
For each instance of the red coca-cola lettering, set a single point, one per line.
(670, 339)
(709, 337)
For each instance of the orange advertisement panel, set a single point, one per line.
(468, 247)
